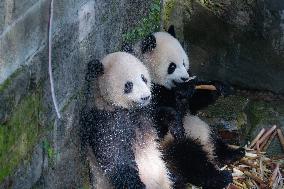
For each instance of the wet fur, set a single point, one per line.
(123, 143)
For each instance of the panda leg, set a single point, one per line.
(216, 148)
(189, 161)
(168, 119)
(198, 130)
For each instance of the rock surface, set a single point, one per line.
(241, 42)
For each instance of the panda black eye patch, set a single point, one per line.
(128, 87)
(171, 68)
(143, 78)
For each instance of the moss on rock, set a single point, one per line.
(227, 108)
(262, 113)
(19, 134)
(147, 25)
(167, 11)
(9, 80)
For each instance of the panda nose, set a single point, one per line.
(184, 78)
(145, 98)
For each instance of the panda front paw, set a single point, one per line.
(178, 132)
(182, 97)
(232, 155)
(223, 89)
(227, 176)
(221, 180)
(237, 154)
(240, 152)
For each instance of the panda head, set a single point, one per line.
(123, 81)
(166, 59)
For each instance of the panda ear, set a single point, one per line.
(148, 44)
(171, 31)
(126, 47)
(95, 68)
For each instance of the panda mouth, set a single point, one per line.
(176, 84)
(179, 83)
(141, 103)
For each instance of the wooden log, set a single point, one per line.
(257, 138)
(281, 137)
(205, 87)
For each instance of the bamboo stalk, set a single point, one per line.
(255, 184)
(277, 157)
(243, 161)
(265, 141)
(267, 134)
(281, 137)
(257, 146)
(233, 186)
(264, 148)
(206, 87)
(249, 183)
(273, 176)
(254, 177)
(257, 138)
(244, 185)
(236, 183)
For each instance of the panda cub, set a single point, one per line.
(174, 93)
(119, 130)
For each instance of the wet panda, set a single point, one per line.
(195, 158)
(119, 131)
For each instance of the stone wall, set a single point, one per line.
(37, 149)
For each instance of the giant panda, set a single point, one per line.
(119, 131)
(174, 92)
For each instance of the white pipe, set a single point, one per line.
(49, 60)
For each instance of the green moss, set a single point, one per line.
(214, 6)
(49, 150)
(261, 112)
(227, 108)
(9, 80)
(241, 120)
(147, 25)
(168, 8)
(19, 134)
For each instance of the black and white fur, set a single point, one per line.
(119, 131)
(169, 68)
